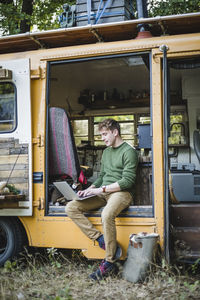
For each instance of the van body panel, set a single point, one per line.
(61, 232)
(19, 147)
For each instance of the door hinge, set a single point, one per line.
(39, 203)
(39, 73)
(38, 141)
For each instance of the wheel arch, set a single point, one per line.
(23, 224)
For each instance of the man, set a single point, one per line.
(113, 190)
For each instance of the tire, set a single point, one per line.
(11, 238)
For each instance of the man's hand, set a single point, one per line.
(92, 190)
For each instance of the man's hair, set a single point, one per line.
(110, 124)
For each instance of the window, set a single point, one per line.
(80, 129)
(178, 129)
(126, 124)
(144, 119)
(86, 130)
(7, 107)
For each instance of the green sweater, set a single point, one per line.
(118, 165)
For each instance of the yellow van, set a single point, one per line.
(149, 82)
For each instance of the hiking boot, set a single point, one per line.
(102, 245)
(105, 269)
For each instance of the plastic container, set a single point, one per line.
(139, 256)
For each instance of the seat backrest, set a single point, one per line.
(63, 157)
(196, 141)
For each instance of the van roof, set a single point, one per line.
(166, 25)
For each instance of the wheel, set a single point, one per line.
(11, 238)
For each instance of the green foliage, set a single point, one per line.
(45, 15)
(11, 16)
(195, 266)
(117, 118)
(6, 88)
(64, 295)
(13, 189)
(9, 266)
(172, 7)
(53, 254)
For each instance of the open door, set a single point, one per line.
(15, 138)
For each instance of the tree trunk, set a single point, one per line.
(27, 8)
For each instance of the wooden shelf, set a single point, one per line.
(178, 146)
(12, 201)
(124, 103)
(11, 197)
(111, 104)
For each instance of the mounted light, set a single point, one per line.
(143, 13)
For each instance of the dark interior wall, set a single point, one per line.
(68, 80)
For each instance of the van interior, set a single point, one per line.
(92, 90)
(119, 86)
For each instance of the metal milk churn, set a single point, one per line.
(140, 253)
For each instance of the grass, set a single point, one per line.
(54, 275)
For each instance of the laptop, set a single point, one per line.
(69, 194)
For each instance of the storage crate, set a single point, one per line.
(117, 10)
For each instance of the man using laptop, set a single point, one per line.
(113, 190)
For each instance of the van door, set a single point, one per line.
(15, 139)
(184, 157)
